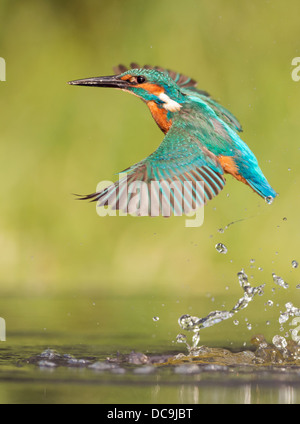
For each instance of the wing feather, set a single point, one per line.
(177, 178)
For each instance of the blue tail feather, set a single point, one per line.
(261, 186)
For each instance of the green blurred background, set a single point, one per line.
(57, 140)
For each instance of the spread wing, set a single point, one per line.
(189, 87)
(180, 176)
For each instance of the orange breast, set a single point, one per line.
(229, 166)
(160, 116)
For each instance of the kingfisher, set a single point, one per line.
(201, 145)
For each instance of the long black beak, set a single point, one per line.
(113, 81)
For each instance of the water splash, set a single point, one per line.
(50, 358)
(195, 324)
(280, 342)
(280, 351)
(290, 311)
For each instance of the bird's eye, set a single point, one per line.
(137, 80)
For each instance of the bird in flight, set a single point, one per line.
(200, 146)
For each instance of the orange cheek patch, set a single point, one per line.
(152, 88)
(126, 77)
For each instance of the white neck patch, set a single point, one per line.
(169, 104)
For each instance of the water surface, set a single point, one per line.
(56, 351)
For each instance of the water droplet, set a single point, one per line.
(295, 264)
(279, 281)
(155, 318)
(249, 326)
(181, 338)
(236, 322)
(290, 307)
(269, 200)
(283, 318)
(221, 248)
(187, 322)
(269, 303)
(220, 230)
(298, 286)
(243, 278)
